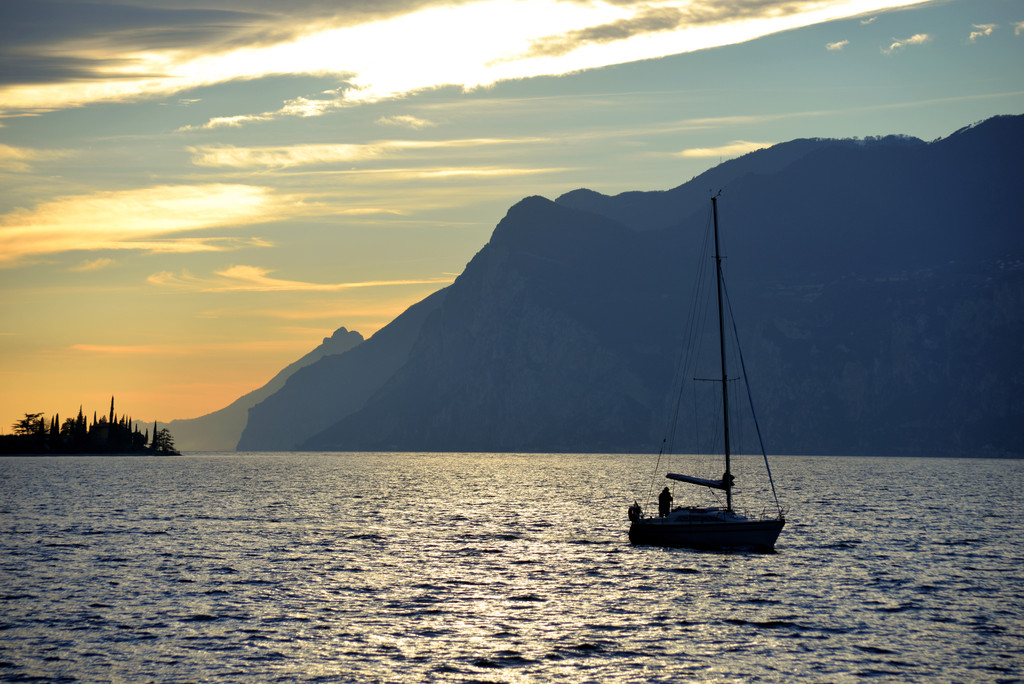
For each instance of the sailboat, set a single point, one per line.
(710, 527)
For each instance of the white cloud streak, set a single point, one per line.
(285, 156)
(836, 46)
(733, 149)
(470, 44)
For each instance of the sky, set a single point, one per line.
(193, 193)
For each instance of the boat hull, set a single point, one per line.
(757, 535)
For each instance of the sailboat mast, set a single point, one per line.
(727, 477)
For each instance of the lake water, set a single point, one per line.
(498, 568)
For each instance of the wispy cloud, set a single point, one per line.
(733, 149)
(647, 20)
(838, 45)
(480, 171)
(255, 279)
(981, 31)
(469, 44)
(916, 39)
(21, 159)
(299, 106)
(406, 121)
(140, 220)
(869, 20)
(1018, 28)
(280, 156)
(93, 265)
(234, 121)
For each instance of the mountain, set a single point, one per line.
(878, 284)
(315, 396)
(221, 430)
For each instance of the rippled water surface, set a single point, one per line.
(392, 568)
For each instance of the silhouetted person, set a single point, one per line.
(664, 502)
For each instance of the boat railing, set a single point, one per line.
(715, 515)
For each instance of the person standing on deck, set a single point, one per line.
(664, 502)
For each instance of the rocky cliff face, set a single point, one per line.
(878, 286)
(928, 364)
(531, 342)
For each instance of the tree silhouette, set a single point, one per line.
(31, 424)
(162, 443)
(109, 434)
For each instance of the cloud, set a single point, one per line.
(869, 20)
(21, 159)
(480, 171)
(406, 121)
(838, 45)
(916, 39)
(56, 41)
(140, 219)
(729, 21)
(255, 279)
(93, 265)
(281, 156)
(648, 20)
(733, 149)
(306, 107)
(981, 31)
(299, 106)
(1018, 28)
(472, 43)
(235, 121)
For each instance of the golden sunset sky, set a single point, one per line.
(194, 192)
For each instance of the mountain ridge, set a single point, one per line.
(861, 271)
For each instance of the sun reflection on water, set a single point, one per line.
(384, 567)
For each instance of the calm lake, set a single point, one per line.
(498, 568)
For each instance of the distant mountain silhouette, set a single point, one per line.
(315, 396)
(879, 286)
(221, 430)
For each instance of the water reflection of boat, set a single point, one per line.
(713, 527)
